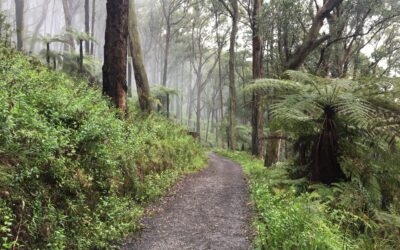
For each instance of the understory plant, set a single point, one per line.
(72, 174)
(345, 135)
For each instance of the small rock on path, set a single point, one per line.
(208, 211)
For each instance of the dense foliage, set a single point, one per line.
(343, 133)
(292, 213)
(73, 175)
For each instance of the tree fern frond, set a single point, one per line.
(161, 91)
(297, 108)
(271, 87)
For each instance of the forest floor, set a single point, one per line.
(206, 210)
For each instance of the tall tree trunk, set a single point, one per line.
(48, 54)
(38, 26)
(198, 105)
(19, 19)
(165, 69)
(221, 98)
(93, 22)
(257, 111)
(81, 56)
(129, 76)
(142, 82)
(232, 87)
(208, 122)
(115, 52)
(68, 26)
(87, 26)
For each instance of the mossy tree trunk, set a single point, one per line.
(142, 82)
(257, 111)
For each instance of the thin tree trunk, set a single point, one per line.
(232, 87)
(19, 19)
(115, 52)
(68, 26)
(38, 26)
(81, 56)
(221, 98)
(208, 123)
(93, 23)
(257, 112)
(48, 54)
(165, 69)
(87, 26)
(142, 82)
(198, 107)
(129, 77)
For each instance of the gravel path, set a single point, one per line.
(207, 211)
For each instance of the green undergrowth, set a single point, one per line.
(73, 175)
(294, 214)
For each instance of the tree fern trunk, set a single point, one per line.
(325, 167)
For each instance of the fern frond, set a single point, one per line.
(271, 87)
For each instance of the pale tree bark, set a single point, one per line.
(93, 25)
(68, 25)
(115, 53)
(201, 58)
(257, 110)
(142, 82)
(87, 25)
(169, 10)
(129, 75)
(19, 19)
(38, 27)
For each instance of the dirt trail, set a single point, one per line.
(208, 211)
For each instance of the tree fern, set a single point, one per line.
(331, 108)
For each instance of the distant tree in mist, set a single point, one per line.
(19, 20)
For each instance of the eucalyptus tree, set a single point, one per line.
(258, 72)
(38, 26)
(115, 53)
(142, 82)
(233, 9)
(93, 21)
(173, 12)
(87, 24)
(204, 58)
(221, 34)
(67, 7)
(353, 26)
(19, 20)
